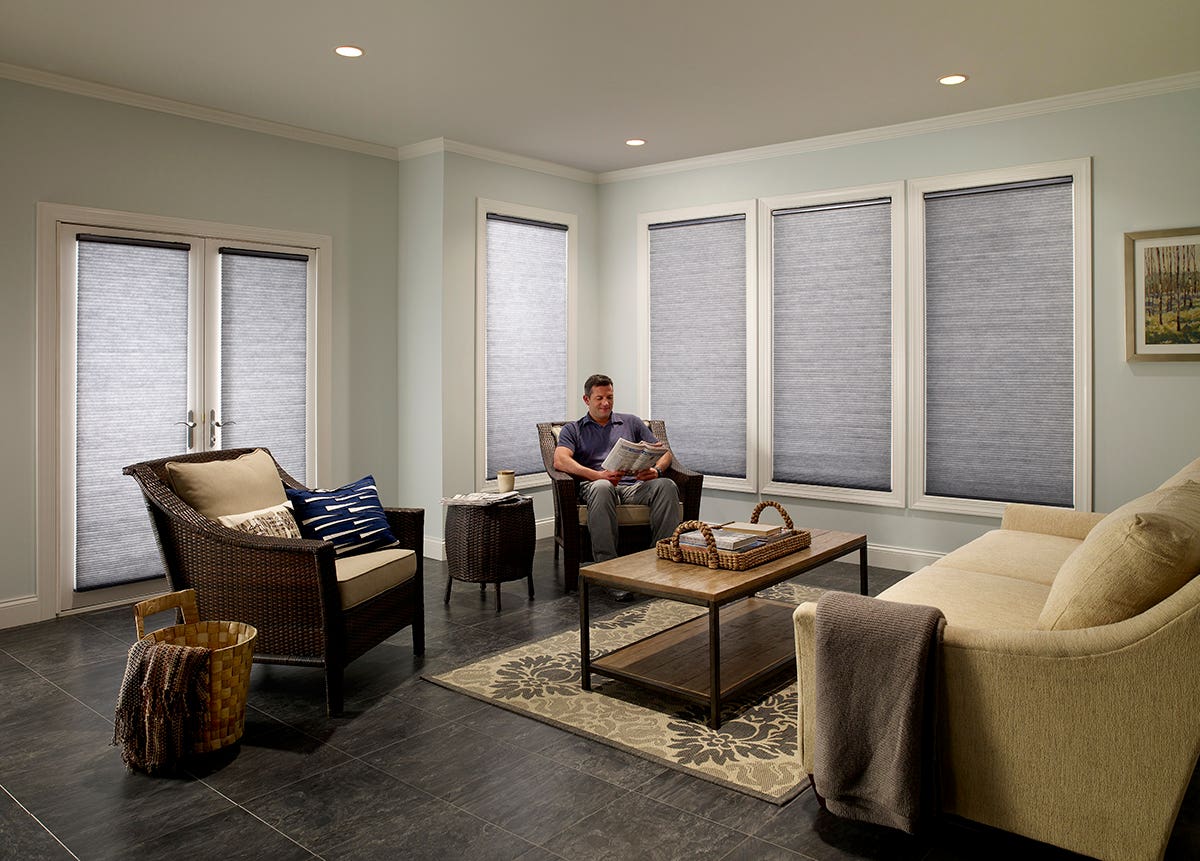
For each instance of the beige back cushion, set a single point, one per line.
(1137, 556)
(218, 487)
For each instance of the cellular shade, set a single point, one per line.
(832, 345)
(130, 391)
(264, 355)
(526, 338)
(999, 355)
(698, 340)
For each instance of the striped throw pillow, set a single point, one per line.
(351, 517)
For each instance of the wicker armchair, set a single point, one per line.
(286, 588)
(570, 535)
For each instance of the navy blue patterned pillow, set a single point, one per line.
(351, 517)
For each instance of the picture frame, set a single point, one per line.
(1162, 295)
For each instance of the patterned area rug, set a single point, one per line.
(753, 752)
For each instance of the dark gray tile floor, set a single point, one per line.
(411, 770)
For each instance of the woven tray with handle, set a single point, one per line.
(733, 560)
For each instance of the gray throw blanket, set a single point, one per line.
(162, 704)
(875, 697)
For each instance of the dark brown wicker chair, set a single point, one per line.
(571, 536)
(286, 588)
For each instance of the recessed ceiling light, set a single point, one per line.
(348, 51)
(952, 80)
(635, 142)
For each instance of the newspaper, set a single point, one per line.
(632, 457)
(479, 498)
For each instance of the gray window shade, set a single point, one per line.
(526, 339)
(698, 340)
(832, 345)
(264, 351)
(131, 389)
(999, 356)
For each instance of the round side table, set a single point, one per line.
(490, 544)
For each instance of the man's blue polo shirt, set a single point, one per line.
(591, 443)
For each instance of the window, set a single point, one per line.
(526, 288)
(698, 289)
(1001, 293)
(168, 336)
(834, 363)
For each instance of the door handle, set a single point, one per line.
(191, 426)
(214, 426)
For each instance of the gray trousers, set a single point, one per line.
(602, 499)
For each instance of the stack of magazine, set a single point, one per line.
(736, 536)
(479, 498)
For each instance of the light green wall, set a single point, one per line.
(69, 149)
(419, 339)
(1146, 176)
(404, 257)
(468, 179)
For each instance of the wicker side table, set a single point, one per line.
(490, 544)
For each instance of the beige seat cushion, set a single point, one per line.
(247, 483)
(1191, 472)
(627, 515)
(1029, 556)
(368, 574)
(1140, 554)
(972, 599)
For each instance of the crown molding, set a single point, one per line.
(1123, 92)
(421, 148)
(494, 155)
(79, 87)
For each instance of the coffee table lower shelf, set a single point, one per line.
(751, 646)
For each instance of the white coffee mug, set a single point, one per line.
(505, 480)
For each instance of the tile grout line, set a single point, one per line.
(17, 802)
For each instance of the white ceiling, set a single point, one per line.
(569, 80)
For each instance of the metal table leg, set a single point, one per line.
(862, 569)
(585, 640)
(714, 666)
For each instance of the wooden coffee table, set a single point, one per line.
(682, 660)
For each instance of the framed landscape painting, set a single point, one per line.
(1162, 295)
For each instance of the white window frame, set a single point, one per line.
(1080, 172)
(516, 210)
(895, 498)
(748, 209)
(55, 457)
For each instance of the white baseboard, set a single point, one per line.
(899, 558)
(19, 611)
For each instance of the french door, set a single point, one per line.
(169, 343)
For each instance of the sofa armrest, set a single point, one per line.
(1078, 738)
(1049, 521)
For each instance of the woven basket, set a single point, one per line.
(232, 645)
(711, 556)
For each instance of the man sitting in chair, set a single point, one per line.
(582, 447)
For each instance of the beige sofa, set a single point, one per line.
(1069, 674)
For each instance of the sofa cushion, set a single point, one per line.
(972, 599)
(216, 487)
(1031, 556)
(1191, 472)
(1128, 563)
(627, 515)
(351, 517)
(366, 575)
(274, 522)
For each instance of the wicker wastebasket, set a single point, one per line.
(490, 544)
(232, 645)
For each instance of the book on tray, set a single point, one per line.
(762, 530)
(731, 541)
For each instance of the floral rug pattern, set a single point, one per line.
(754, 751)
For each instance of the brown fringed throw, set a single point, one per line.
(162, 704)
(875, 696)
